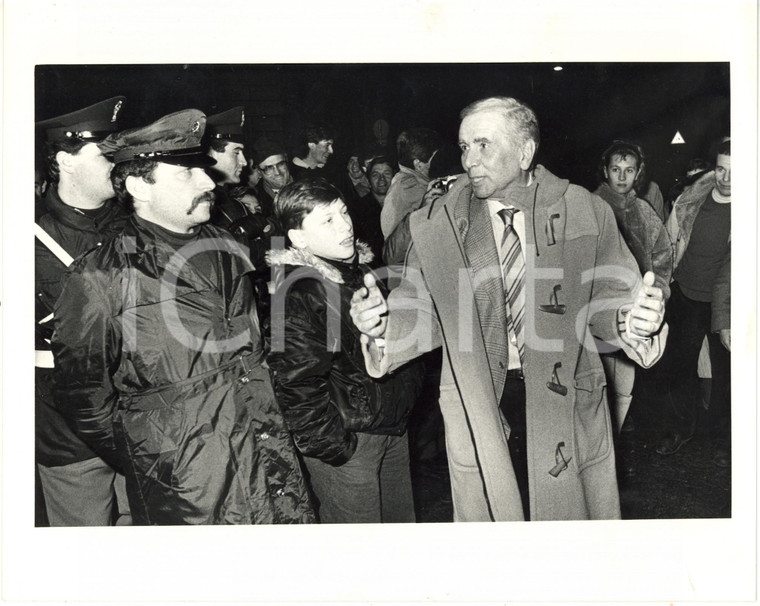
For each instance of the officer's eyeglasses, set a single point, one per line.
(270, 168)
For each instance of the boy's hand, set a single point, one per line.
(369, 309)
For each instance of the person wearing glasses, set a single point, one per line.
(271, 169)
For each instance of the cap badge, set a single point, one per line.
(242, 118)
(196, 126)
(116, 109)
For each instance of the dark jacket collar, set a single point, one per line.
(72, 217)
(157, 256)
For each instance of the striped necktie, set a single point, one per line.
(513, 272)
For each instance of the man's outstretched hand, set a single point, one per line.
(648, 312)
(369, 309)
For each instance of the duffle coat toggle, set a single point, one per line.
(554, 383)
(551, 239)
(560, 460)
(554, 306)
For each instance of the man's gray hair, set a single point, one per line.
(521, 120)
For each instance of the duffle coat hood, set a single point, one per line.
(579, 272)
(160, 366)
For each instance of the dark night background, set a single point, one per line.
(580, 109)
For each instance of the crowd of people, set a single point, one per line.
(231, 333)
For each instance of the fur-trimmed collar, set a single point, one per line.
(614, 199)
(303, 258)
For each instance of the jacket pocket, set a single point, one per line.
(591, 419)
(148, 428)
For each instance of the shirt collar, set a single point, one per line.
(298, 162)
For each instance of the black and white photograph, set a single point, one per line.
(404, 303)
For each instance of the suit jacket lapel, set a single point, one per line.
(488, 286)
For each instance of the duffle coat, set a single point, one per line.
(160, 364)
(579, 272)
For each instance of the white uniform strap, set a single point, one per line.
(44, 358)
(53, 246)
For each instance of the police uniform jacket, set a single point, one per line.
(160, 364)
(77, 233)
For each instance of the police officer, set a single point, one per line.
(162, 367)
(78, 213)
(224, 141)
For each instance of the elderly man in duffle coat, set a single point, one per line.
(521, 277)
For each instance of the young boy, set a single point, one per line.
(350, 428)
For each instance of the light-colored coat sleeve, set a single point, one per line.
(413, 328)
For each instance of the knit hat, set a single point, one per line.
(264, 147)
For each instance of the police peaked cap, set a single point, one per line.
(92, 123)
(172, 139)
(227, 125)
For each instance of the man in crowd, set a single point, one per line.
(224, 135)
(224, 141)
(515, 271)
(313, 159)
(78, 213)
(270, 160)
(316, 148)
(365, 212)
(415, 149)
(224, 145)
(646, 236)
(158, 349)
(700, 305)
